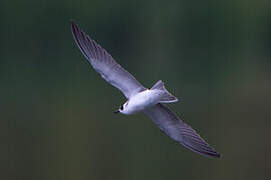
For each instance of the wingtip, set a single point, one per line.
(215, 154)
(73, 25)
(210, 153)
(192, 140)
(218, 155)
(72, 21)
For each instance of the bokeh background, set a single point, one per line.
(56, 112)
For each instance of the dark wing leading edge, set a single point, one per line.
(104, 64)
(175, 128)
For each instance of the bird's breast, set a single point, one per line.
(143, 100)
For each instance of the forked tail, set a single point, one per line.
(166, 96)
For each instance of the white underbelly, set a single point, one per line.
(143, 100)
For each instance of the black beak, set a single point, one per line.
(116, 111)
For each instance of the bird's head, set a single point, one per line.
(122, 109)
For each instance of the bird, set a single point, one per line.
(152, 102)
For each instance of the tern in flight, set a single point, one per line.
(152, 101)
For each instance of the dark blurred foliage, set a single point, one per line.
(56, 112)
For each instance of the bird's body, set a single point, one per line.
(148, 98)
(140, 99)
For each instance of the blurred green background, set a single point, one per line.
(56, 112)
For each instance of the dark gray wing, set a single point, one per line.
(175, 128)
(104, 64)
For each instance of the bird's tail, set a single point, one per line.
(166, 96)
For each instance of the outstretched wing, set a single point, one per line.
(175, 128)
(104, 64)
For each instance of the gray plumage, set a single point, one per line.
(179, 131)
(161, 115)
(104, 64)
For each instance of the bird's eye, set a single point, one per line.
(121, 107)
